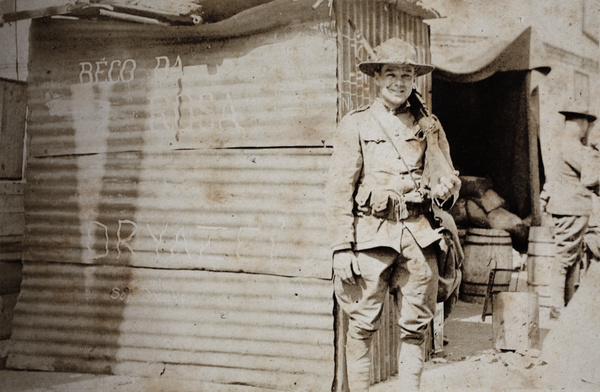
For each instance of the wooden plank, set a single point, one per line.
(395, 337)
(7, 306)
(386, 340)
(438, 328)
(340, 383)
(11, 203)
(44, 11)
(12, 129)
(13, 223)
(11, 187)
(10, 276)
(11, 248)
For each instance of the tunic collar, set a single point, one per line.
(405, 108)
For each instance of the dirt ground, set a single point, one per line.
(470, 363)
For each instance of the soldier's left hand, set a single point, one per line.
(447, 187)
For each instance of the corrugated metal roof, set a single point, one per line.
(265, 331)
(197, 11)
(168, 10)
(197, 17)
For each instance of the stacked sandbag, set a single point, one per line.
(480, 206)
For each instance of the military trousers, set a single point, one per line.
(569, 231)
(412, 277)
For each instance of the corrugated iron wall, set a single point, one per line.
(265, 331)
(377, 21)
(156, 170)
(258, 211)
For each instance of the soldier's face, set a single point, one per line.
(395, 84)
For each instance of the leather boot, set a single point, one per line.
(410, 365)
(358, 364)
(556, 290)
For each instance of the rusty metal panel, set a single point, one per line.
(134, 94)
(259, 211)
(378, 21)
(236, 329)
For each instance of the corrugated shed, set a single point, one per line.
(155, 163)
(238, 329)
(258, 210)
(377, 21)
(145, 166)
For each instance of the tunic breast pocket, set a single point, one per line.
(373, 141)
(378, 153)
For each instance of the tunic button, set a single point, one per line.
(396, 134)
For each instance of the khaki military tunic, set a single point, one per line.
(366, 169)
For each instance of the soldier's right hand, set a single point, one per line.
(345, 266)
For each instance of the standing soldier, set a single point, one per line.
(570, 201)
(380, 194)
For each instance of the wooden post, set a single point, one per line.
(515, 321)
(438, 328)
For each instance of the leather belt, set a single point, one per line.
(398, 209)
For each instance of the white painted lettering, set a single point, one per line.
(178, 63)
(113, 65)
(90, 239)
(99, 70)
(126, 241)
(86, 70)
(131, 72)
(160, 60)
(180, 234)
(158, 241)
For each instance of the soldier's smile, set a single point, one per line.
(395, 83)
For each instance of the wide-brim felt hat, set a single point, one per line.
(577, 111)
(394, 51)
